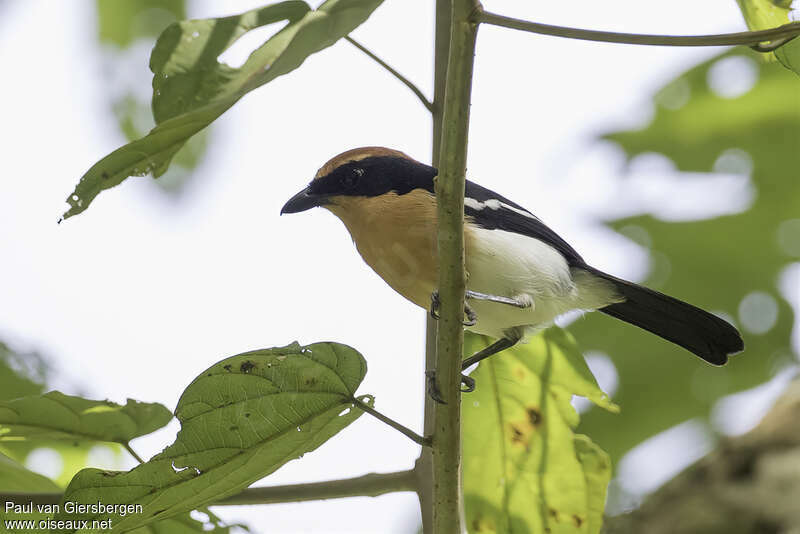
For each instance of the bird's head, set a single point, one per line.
(361, 173)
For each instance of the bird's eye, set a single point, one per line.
(350, 179)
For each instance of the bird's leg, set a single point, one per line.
(520, 302)
(513, 336)
(472, 317)
(511, 339)
(494, 348)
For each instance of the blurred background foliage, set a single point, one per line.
(28, 373)
(747, 126)
(127, 31)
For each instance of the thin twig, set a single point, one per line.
(425, 442)
(408, 83)
(370, 485)
(132, 452)
(780, 35)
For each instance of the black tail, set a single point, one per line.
(696, 330)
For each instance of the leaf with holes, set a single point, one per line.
(124, 25)
(241, 420)
(55, 416)
(191, 88)
(766, 14)
(712, 262)
(525, 470)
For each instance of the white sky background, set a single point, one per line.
(138, 295)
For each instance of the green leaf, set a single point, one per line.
(191, 88)
(525, 471)
(766, 14)
(64, 417)
(120, 23)
(25, 374)
(596, 466)
(789, 55)
(20, 374)
(241, 419)
(763, 14)
(713, 263)
(123, 24)
(15, 478)
(185, 524)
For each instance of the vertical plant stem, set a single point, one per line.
(424, 465)
(447, 513)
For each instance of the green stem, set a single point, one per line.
(132, 452)
(425, 442)
(424, 465)
(408, 83)
(780, 34)
(370, 485)
(450, 199)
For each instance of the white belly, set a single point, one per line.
(512, 265)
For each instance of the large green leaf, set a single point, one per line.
(55, 416)
(191, 88)
(123, 25)
(241, 419)
(766, 14)
(713, 263)
(525, 470)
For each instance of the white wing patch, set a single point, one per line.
(494, 204)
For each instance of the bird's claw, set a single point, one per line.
(472, 317)
(433, 387)
(435, 305)
(469, 384)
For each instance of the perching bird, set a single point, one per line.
(520, 274)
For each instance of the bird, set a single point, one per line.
(520, 274)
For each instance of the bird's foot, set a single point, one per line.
(472, 317)
(435, 393)
(469, 384)
(433, 387)
(435, 305)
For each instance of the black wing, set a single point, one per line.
(501, 215)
